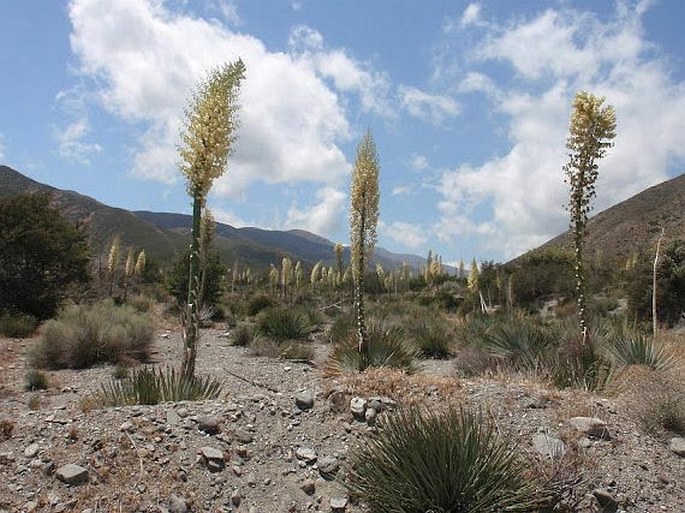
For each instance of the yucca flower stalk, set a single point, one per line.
(207, 141)
(113, 262)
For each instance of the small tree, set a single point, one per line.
(207, 140)
(364, 196)
(592, 129)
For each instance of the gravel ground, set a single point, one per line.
(274, 456)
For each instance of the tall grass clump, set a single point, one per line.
(386, 347)
(149, 386)
(641, 349)
(432, 336)
(17, 325)
(86, 335)
(281, 323)
(452, 461)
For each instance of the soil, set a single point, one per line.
(149, 458)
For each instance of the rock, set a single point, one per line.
(31, 451)
(209, 425)
(126, 426)
(214, 458)
(376, 403)
(370, 416)
(72, 474)
(236, 497)
(243, 436)
(328, 467)
(304, 400)
(549, 446)
(336, 401)
(358, 407)
(178, 505)
(606, 500)
(306, 454)
(172, 417)
(677, 446)
(309, 486)
(591, 426)
(338, 504)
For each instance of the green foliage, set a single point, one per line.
(121, 371)
(386, 348)
(36, 380)
(581, 365)
(640, 349)
(242, 335)
(422, 461)
(149, 386)
(259, 303)
(41, 256)
(178, 276)
(283, 323)
(431, 335)
(342, 328)
(542, 273)
(17, 325)
(86, 335)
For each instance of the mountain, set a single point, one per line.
(163, 235)
(633, 225)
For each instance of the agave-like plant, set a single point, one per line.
(450, 462)
(641, 349)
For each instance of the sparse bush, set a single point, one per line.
(280, 323)
(120, 371)
(665, 411)
(82, 336)
(343, 327)
(140, 303)
(578, 365)
(386, 348)
(6, 429)
(431, 336)
(148, 386)
(17, 325)
(36, 380)
(259, 303)
(454, 461)
(242, 335)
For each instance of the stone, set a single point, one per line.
(370, 416)
(606, 500)
(178, 505)
(336, 401)
(304, 400)
(236, 497)
(677, 446)
(328, 467)
(306, 454)
(214, 458)
(549, 446)
(72, 474)
(126, 426)
(358, 408)
(590, 426)
(209, 425)
(376, 403)
(243, 436)
(338, 504)
(309, 486)
(31, 451)
(172, 417)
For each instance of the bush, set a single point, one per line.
(281, 323)
(17, 325)
(259, 303)
(343, 327)
(387, 348)
(242, 335)
(640, 349)
(147, 386)
(82, 336)
(454, 461)
(666, 412)
(432, 337)
(36, 380)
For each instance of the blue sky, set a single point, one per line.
(468, 103)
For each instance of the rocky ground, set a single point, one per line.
(278, 438)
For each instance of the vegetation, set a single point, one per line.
(592, 129)
(208, 136)
(41, 257)
(17, 325)
(36, 380)
(449, 461)
(86, 335)
(282, 323)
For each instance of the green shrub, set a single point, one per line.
(423, 461)
(120, 371)
(432, 337)
(343, 327)
(86, 335)
(242, 335)
(575, 365)
(259, 303)
(387, 348)
(281, 323)
(148, 386)
(36, 380)
(17, 325)
(640, 349)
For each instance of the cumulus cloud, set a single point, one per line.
(434, 109)
(409, 235)
(418, 162)
(230, 218)
(554, 54)
(72, 145)
(292, 121)
(322, 218)
(471, 15)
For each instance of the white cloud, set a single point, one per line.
(471, 15)
(228, 217)
(292, 122)
(322, 218)
(402, 190)
(418, 162)
(555, 54)
(428, 107)
(409, 235)
(229, 11)
(72, 145)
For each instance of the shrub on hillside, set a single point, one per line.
(86, 335)
(17, 325)
(454, 461)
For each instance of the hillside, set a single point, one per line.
(634, 224)
(163, 235)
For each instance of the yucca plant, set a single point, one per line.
(149, 386)
(520, 343)
(280, 323)
(432, 337)
(386, 347)
(640, 349)
(450, 462)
